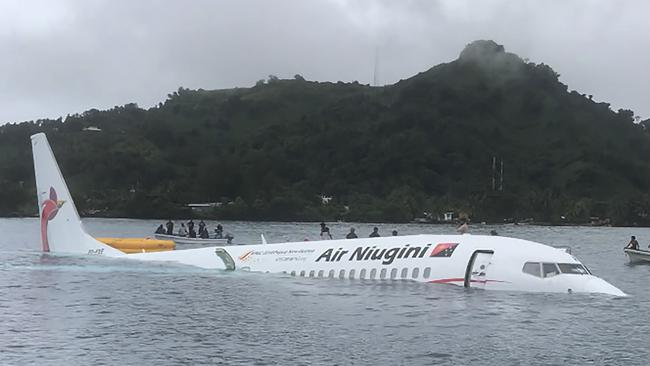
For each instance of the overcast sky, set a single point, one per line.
(67, 56)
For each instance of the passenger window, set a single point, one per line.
(427, 272)
(416, 272)
(550, 269)
(405, 273)
(321, 273)
(331, 275)
(362, 274)
(352, 274)
(393, 273)
(312, 273)
(373, 273)
(302, 273)
(532, 268)
(382, 274)
(342, 274)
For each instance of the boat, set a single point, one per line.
(637, 255)
(470, 261)
(187, 240)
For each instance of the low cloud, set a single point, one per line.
(69, 56)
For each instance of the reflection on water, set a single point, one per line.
(87, 310)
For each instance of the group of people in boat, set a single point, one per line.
(189, 231)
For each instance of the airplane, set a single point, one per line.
(471, 261)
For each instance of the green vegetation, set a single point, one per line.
(425, 144)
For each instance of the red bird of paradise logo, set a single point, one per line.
(443, 250)
(49, 209)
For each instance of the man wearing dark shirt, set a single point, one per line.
(351, 234)
(375, 233)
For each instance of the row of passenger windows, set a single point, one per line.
(552, 269)
(365, 274)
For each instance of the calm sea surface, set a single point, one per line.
(91, 311)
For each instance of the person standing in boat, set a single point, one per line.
(351, 234)
(190, 225)
(203, 234)
(218, 232)
(325, 234)
(633, 244)
(201, 227)
(170, 227)
(182, 231)
(374, 233)
(160, 230)
(463, 228)
(192, 233)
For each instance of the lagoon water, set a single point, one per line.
(91, 311)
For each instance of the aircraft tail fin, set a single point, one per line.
(60, 225)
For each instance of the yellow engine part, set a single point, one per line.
(130, 251)
(137, 245)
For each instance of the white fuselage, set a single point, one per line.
(489, 262)
(453, 259)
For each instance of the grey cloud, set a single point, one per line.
(69, 56)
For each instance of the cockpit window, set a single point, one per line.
(532, 268)
(573, 268)
(550, 269)
(553, 269)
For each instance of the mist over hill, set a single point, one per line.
(488, 135)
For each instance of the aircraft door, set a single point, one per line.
(228, 262)
(477, 267)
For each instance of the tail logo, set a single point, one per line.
(49, 209)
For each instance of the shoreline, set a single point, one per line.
(200, 217)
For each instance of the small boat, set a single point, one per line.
(636, 256)
(186, 240)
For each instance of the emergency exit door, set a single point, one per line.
(477, 268)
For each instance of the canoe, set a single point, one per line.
(637, 256)
(185, 240)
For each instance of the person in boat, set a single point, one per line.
(203, 233)
(160, 229)
(182, 231)
(494, 233)
(192, 232)
(394, 232)
(375, 233)
(218, 232)
(201, 227)
(190, 225)
(633, 244)
(463, 228)
(170, 227)
(325, 234)
(351, 234)
(323, 227)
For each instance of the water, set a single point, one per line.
(92, 311)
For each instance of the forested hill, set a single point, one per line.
(425, 144)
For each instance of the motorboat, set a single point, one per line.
(180, 240)
(637, 255)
